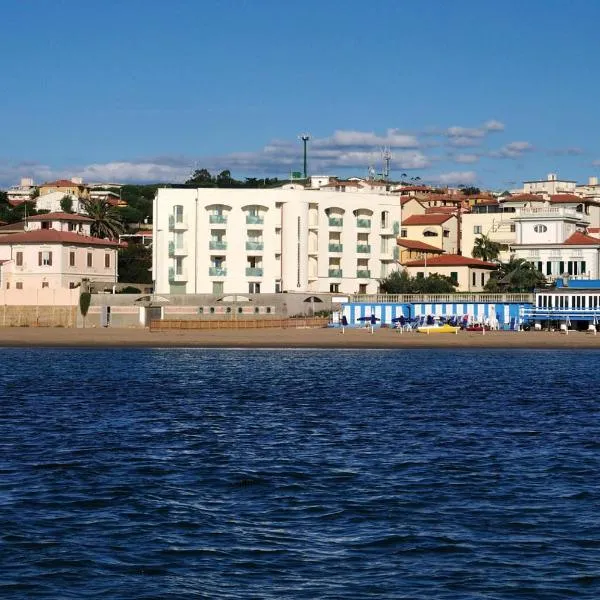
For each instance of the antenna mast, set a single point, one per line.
(386, 155)
(305, 137)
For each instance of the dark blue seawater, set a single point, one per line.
(299, 474)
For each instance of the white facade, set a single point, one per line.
(22, 192)
(52, 202)
(223, 241)
(551, 185)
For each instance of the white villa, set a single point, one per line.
(228, 241)
(56, 251)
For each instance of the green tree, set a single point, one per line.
(470, 190)
(84, 304)
(485, 248)
(517, 275)
(201, 178)
(66, 204)
(106, 219)
(400, 282)
(135, 263)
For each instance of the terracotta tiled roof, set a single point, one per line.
(580, 239)
(415, 188)
(566, 199)
(435, 219)
(53, 236)
(525, 198)
(61, 216)
(416, 245)
(19, 226)
(61, 183)
(452, 260)
(430, 210)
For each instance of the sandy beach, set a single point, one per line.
(288, 338)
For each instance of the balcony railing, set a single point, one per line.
(335, 272)
(217, 271)
(177, 277)
(217, 245)
(336, 247)
(217, 219)
(363, 223)
(176, 251)
(255, 246)
(336, 222)
(363, 274)
(254, 272)
(176, 225)
(254, 220)
(363, 248)
(396, 228)
(396, 253)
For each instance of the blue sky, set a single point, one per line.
(485, 93)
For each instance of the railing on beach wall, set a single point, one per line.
(168, 324)
(437, 298)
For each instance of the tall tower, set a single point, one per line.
(305, 137)
(386, 155)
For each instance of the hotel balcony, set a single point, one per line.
(217, 219)
(336, 247)
(363, 223)
(217, 271)
(336, 222)
(177, 277)
(217, 245)
(174, 251)
(335, 273)
(363, 248)
(177, 225)
(254, 272)
(552, 212)
(254, 220)
(363, 274)
(258, 246)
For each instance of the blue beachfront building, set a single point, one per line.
(504, 311)
(572, 302)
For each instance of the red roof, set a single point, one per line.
(566, 199)
(440, 210)
(61, 183)
(53, 236)
(452, 260)
(580, 239)
(416, 245)
(435, 219)
(60, 216)
(525, 198)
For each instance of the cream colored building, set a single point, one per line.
(493, 220)
(436, 229)
(471, 274)
(550, 186)
(56, 251)
(230, 241)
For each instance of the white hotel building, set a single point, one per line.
(230, 241)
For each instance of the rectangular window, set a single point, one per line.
(89, 259)
(583, 266)
(334, 288)
(482, 279)
(446, 233)
(19, 259)
(71, 285)
(561, 267)
(71, 259)
(8, 285)
(254, 288)
(45, 259)
(539, 266)
(403, 233)
(217, 288)
(512, 228)
(19, 285)
(548, 268)
(45, 284)
(179, 213)
(474, 278)
(107, 261)
(476, 229)
(454, 276)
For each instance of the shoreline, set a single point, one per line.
(330, 338)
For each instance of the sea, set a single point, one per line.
(299, 474)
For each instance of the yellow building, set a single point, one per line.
(71, 187)
(436, 229)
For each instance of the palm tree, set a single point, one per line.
(517, 275)
(485, 249)
(106, 219)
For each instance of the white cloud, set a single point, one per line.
(342, 138)
(512, 150)
(456, 178)
(493, 125)
(465, 158)
(465, 132)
